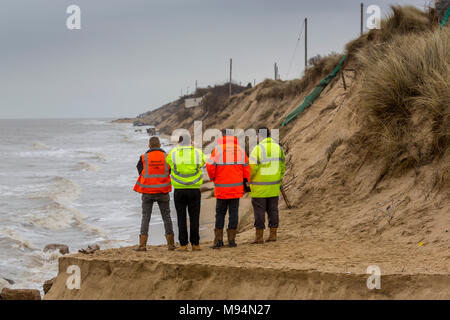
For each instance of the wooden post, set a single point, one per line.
(343, 80)
(288, 204)
(362, 18)
(306, 42)
(231, 73)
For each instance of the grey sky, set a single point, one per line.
(135, 55)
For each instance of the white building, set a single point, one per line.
(192, 102)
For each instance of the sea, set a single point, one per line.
(67, 182)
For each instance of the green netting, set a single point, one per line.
(445, 18)
(309, 100)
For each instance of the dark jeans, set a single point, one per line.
(189, 199)
(263, 205)
(163, 200)
(232, 205)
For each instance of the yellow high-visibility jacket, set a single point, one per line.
(186, 163)
(267, 168)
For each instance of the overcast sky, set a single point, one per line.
(131, 56)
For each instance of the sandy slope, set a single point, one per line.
(304, 264)
(337, 229)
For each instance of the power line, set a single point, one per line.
(295, 50)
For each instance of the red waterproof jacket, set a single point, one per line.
(227, 167)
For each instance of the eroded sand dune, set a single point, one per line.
(353, 208)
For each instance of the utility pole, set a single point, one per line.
(275, 71)
(362, 18)
(195, 85)
(231, 72)
(306, 42)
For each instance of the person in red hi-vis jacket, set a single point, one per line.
(154, 185)
(229, 170)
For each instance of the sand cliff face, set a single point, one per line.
(242, 273)
(352, 209)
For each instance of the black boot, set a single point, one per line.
(231, 233)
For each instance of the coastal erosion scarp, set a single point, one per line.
(241, 273)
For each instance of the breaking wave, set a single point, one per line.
(16, 238)
(40, 146)
(48, 153)
(63, 190)
(57, 212)
(56, 216)
(94, 155)
(85, 166)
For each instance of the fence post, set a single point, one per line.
(362, 18)
(231, 71)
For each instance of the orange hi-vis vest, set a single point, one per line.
(227, 167)
(154, 177)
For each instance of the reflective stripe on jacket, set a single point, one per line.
(186, 163)
(227, 167)
(154, 177)
(267, 167)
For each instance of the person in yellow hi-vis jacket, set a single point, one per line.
(186, 175)
(267, 168)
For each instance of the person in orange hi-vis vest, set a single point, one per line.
(154, 184)
(228, 168)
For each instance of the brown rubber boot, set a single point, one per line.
(182, 248)
(142, 243)
(170, 242)
(273, 235)
(259, 236)
(218, 239)
(231, 233)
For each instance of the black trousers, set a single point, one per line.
(230, 205)
(188, 201)
(263, 205)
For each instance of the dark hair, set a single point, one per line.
(154, 142)
(225, 132)
(264, 131)
(185, 139)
